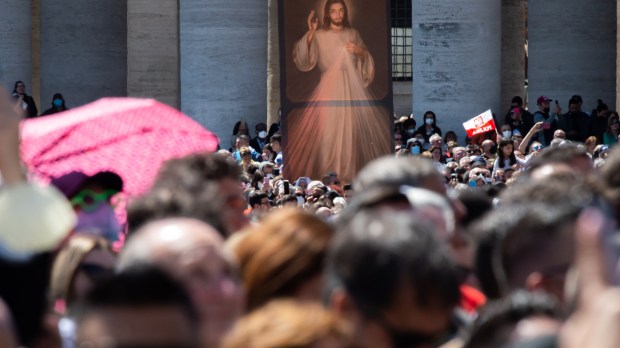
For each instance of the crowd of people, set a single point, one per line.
(509, 240)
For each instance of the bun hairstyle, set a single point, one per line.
(601, 106)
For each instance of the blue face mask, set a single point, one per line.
(415, 150)
(57, 102)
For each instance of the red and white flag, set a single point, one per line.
(480, 124)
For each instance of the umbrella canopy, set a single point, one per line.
(131, 137)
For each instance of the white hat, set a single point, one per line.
(33, 219)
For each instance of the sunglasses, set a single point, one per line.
(89, 200)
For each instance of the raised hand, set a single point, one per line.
(313, 24)
(10, 115)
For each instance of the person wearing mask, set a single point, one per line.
(518, 117)
(261, 138)
(91, 198)
(58, 105)
(25, 101)
(430, 126)
(549, 121)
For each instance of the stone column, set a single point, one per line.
(513, 53)
(572, 50)
(15, 43)
(273, 65)
(617, 55)
(83, 50)
(224, 63)
(456, 60)
(153, 50)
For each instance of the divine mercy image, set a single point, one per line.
(341, 125)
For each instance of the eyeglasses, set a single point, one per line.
(89, 200)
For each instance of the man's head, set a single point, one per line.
(574, 156)
(543, 103)
(487, 147)
(516, 102)
(140, 307)
(192, 251)
(559, 134)
(392, 278)
(574, 105)
(276, 142)
(242, 140)
(336, 14)
(259, 202)
(458, 153)
(259, 129)
(348, 192)
(436, 140)
(201, 186)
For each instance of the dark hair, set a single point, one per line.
(256, 198)
(24, 288)
(517, 100)
(577, 98)
(514, 239)
(559, 154)
(260, 125)
(449, 133)
(430, 113)
(500, 154)
(394, 172)
(238, 125)
(375, 251)
(59, 96)
(139, 287)
(186, 187)
(496, 321)
(327, 20)
(17, 83)
(600, 106)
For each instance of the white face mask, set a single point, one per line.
(410, 131)
(262, 134)
(260, 186)
(429, 121)
(507, 134)
(421, 140)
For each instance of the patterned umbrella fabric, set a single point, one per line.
(131, 137)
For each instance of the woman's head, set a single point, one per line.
(506, 147)
(285, 323)
(613, 123)
(591, 143)
(283, 257)
(58, 101)
(241, 127)
(80, 263)
(429, 115)
(435, 152)
(19, 88)
(450, 136)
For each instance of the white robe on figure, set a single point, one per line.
(338, 130)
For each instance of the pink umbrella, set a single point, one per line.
(131, 137)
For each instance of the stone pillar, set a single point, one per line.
(273, 65)
(83, 50)
(572, 50)
(456, 60)
(224, 63)
(513, 53)
(15, 43)
(617, 56)
(153, 50)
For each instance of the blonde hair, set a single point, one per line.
(286, 323)
(278, 256)
(67, 262)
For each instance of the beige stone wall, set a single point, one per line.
(153, 50)
(513, 52)
(273, 65)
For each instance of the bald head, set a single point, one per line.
(192, 251)
(164, 242)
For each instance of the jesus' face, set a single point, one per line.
(336, 14)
